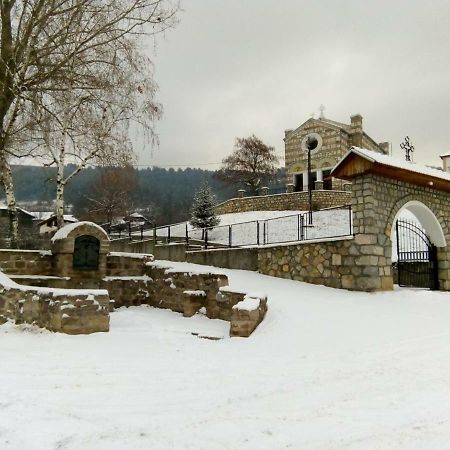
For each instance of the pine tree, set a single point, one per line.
(202, 211)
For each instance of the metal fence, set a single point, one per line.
(325, 223)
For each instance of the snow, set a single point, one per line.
(326, 369)
(248, 304)
(8, 283)
(132, 255)
(197, 293)
(128, 278)
(63, 232)
(396, 162)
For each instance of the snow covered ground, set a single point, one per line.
(327, 369)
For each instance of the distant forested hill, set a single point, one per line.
(168, 191)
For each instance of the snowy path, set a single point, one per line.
(327, 369)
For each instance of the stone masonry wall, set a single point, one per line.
(337, 264)
(78, 312)
(296, 201)
(26, 262)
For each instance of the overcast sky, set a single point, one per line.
(236, 67)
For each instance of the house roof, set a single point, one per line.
(68, 218)
(27, 213)
(445, 155)
(358, 161)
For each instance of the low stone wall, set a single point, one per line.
(230, 258)
(76, 312)
(126, 264)
(26, 262)
(170, 252)
(51, 301)
(354, 264)
(127, 246)
(170, 285)
(128, 290)
(296, 201)
(188, 292)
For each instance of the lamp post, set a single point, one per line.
(311, 144)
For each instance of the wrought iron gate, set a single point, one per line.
(417, 257)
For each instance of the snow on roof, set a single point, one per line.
(445, 155)
(394, 162)
(63, 232)
(67, 218)
(43, 215)
(3, 207)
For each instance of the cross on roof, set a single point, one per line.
(322, 109)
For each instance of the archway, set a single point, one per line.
(415, 238)
(427, 220)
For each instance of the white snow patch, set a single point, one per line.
(248, 304)
(197, 293)
(132, 255)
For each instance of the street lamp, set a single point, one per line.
(311, 144)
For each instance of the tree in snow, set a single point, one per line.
(202, 211)
(250, 162)
(66, 61)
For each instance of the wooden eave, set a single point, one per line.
(354, 165)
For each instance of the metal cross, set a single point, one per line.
(322, 109)
(408, 148)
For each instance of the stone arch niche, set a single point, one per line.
(80, 250)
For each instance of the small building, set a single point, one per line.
(334, 139)
(49, 225)
(136, 219)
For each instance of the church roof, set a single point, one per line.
(322, 121)
(358, 161)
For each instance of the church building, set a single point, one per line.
(334, 139)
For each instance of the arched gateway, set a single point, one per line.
(383, 187)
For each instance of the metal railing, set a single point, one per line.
(326, 223)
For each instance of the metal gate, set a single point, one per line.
(417, 257)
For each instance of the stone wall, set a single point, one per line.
(296, 201)
(126, 264)
(339, 263)
(26, 262)
(50, 301)
(76, 312)
(187, 292)
(231, 258)
(125, 245)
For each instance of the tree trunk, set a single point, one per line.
(60, 182)
(7, 180)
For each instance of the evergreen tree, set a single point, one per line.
(202, 211)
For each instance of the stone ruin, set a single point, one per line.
(74, 288)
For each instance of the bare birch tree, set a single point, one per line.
(73, 73)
